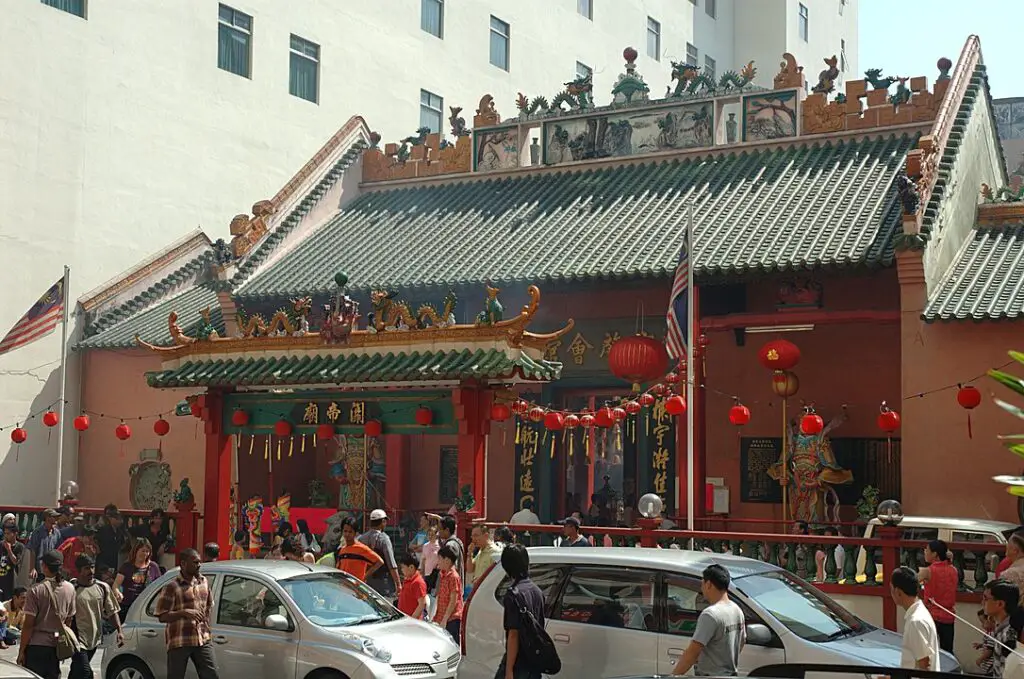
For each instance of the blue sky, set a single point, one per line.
(907, 37)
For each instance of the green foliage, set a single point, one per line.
(1013, 442)
(867, 505)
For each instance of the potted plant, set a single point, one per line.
(867, 505)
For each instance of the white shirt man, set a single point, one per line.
(525, 516)
(920, 638)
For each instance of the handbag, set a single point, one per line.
(67, 642)
(536, 646)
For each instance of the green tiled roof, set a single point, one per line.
(798, 207)
(390, 367)
(151, 324)
(985, 281)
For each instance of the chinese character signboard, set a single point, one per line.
(757, 455)
(661, 444)
(528, 437)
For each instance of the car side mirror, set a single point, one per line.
(757, 634)
(279, 623)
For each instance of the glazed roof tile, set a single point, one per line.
(801, 206)
(985, 281)
(341, 369)
(151, 323)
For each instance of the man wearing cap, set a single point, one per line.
(384, 580)
(45, 538)
(571, 536)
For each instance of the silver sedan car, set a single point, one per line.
(290, 620)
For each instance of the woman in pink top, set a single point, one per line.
(428, 557)
(940, 580)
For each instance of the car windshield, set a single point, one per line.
(801, 608)
(335, 600)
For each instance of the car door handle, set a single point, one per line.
(220, 640)
(675, 652)
(149, 633)
(561, 638)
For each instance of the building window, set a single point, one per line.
(842, 55)
(304, 69)
(711, 7)
(804, 22)
(432, 17)
(234, 41)
(692, 57)
(583, 71)
(709, 67)
(585, 8)
(499, 43)
(76, 7)
(653, 39)
(431, 107)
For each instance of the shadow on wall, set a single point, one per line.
(28, 472)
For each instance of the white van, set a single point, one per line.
(615, 612)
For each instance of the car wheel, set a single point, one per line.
(130, 668)
(326, 674)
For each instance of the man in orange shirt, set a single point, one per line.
(353, 557)
(74, 547)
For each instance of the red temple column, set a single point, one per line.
(396, 465)
(472, 413)
(217, 486)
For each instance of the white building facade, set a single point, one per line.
(126, 124)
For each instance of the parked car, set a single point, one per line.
(9, 670)
(290, 620)
(615, 612)
(924, 529)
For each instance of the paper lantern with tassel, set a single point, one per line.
(603, 418)
(500, 412)
(637, 359)
(18, 436)
(50, 418)
(675, 405)
(82, 423)
(536, 414)
(325, 432)
(969, 398)
(811, 423)
(888, 422)
(739, 415)
(161, 428)
(373, 428)
(239, 418)
(424, 416)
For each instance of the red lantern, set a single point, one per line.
(520, 407)
(969, 398)
(672, 378)
(554, 421)
(586, 420)
(19, 435)
(632, 407)
(646, 400)
(604, 418)
(785, 384)
(536, 414)
(196, 409)
(675, 405)
(82, 422)
(888, 420)
(283, 428)
(739, 415)
(638, 359)
(811, 424)
(660, 389)
(161, 427)
(500, 412)
(325, 431)
(424, 416)
(123, 432)
(618, 414)
(50, 418)
(779, 355)
(239, 418)
(572, 421)
(373, 428)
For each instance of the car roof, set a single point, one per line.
(954, 523)
(679, 560)
(278, 569)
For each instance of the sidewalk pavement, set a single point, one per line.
(11, 655)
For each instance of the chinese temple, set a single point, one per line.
(844, 293)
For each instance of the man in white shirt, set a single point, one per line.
(525, 515)
(920, 638)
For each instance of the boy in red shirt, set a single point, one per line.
(412, 598)
(449, 592)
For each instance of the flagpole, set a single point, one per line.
(691, 371)
(63, 378)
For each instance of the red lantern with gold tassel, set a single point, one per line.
(325, 431)
(604, 418)
(500, 412)
(888, 422)
(779, 355)
(161, 428)
(372, 428)
(637, 359)
(571, 422)
(18, 436)
(969, 398)
(536, 414)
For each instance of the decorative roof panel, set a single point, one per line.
(151, 324)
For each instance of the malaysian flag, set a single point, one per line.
(42, 319)
(678, 317)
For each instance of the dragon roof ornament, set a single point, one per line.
(392, 325)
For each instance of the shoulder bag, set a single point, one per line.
(67, 643)
(535, 644)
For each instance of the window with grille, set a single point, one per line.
(692, 56)
(583, 71)
(709, 67)
(234, 41)
(653, 39)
